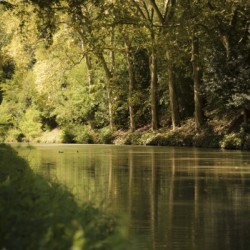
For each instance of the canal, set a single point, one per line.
(170, 198)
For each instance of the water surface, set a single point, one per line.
(172, 198)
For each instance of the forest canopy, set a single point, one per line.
(109, 65)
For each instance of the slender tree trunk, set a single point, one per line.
(172, 94)
(197, 76)
(112, 59)
(226, 44)
(131, 84)
(90, 72)
(109, 77)
(111, 115)
(112, 53)
(153, 89)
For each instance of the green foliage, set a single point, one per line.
(30, 124)
(208, 140)
(14, 135)
(228, 82)
(227, 61)
(65, 65)
(106, 135)
(37, 214)
(170, 139)
(19, 110)
(132, 138)
(84, 134)
(68, 136)
(8, 69)
(232, 141)
(76, 133)
(246, 145)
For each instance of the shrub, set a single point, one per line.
(106, 135)
(30, 125)
(14, 135)
(76, 133)
(156, 140)
(232, 141)
(246, 145)
(207, 140)
(83, 134)
(170, 139)
(68, 135)
(132, 138)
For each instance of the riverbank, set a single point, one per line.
(226, 134)
(38, 214)
(213, 135)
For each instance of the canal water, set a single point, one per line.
(170, 198)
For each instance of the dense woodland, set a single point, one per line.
(117, 65)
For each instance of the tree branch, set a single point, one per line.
(158, 13)
(139, 9)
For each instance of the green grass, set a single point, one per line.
(37, 214)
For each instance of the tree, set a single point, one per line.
(195, 21)
(96, 63)
(134, 36)
(227, 81)
(160, 28)
(165, 18)
(147, 18)
(197, 76)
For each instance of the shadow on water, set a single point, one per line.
(38, 214)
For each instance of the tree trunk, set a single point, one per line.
(131, 84)
(172, 95)
(226, 44)
(153, 90)
(109, 77)
(90, 72)
(246, 115)
(197, 76)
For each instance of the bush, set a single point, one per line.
(30, 125)
(84, 135)
(232, 141)
(156, 140)
(14, 135)
(170, 139)
(207, 140)
(78, 134)
(68, 135)
(106, 135)
(246, 145)
(132, 139)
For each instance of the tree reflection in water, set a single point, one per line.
(173, 198)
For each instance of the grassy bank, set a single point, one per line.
(37, 214)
